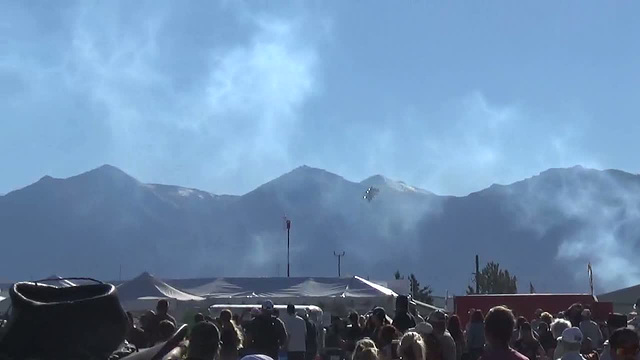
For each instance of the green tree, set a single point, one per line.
(493, 280)
(398, 276)
(423, 294)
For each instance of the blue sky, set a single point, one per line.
(224, 96)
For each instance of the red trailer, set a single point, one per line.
(526, 304)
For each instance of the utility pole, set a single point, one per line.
(120, 274)
(288, 245)
(477, 275)
(339, 256)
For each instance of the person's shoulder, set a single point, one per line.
(517, 355)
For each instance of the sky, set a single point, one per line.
(224, 96)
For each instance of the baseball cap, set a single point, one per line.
(437, 316)
(572, 335)
(267, 305)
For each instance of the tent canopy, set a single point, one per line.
(277, 287)
(623, 299)
(147, 287)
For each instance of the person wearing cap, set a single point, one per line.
(204, 341)
(572, 342)
(403, 319)
(590, 329)
(615, 321)
(498, 327)
(266, 334)
(438, 319)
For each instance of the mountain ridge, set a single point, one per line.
(566, 216)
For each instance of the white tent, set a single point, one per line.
(622, 299)
(143, 292)
(333, 295)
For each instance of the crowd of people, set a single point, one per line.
(496, 335)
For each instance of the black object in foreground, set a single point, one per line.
(49, 322)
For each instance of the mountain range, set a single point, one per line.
(544, 229)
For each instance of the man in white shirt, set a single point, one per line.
(572, 341)
(297, 330)
(591, 330)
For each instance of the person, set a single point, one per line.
(537, 319)
(378, 320)
(572, 343)
(475, 335)
(557, 328)
(365, 349)
(515, 335)
(386, 337)
(204, 341)
(311, 338)
(624, 345)
(135, 335)
(403, 320)
(498, 328)
(455, 329)
(230, 337)
(615, 321)
(412, 347)
(591, 329)
(547, 318)
(297, 330)
(162, 312)
(354, 333)
(546, 338)
(266, 334)
(438, 320)
(149, 325)
(574, 314)
(198, 318)
(527, 344)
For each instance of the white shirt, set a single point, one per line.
(297, 331)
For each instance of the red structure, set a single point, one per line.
(526, 304)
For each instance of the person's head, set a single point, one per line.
(225, 316)
(255, 312)
(454, 326)
(616, 321)
(498, 326)
(204, 341)
(378, 316)
(477, 317)
(543, 328)
(586, 314)
(624, 344)
(521, 320)
(423, 328)
(267, 307)
(572, 339)
(546, 318)
(162, 307)
(291, 309)
(387, 334)
(402, 303)
(438, 320)
(353, 318)
(537, 314)
(165, 330)
(412, 347)
(526, 331)
(365, 349)
(198, 318)
(558, 326)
